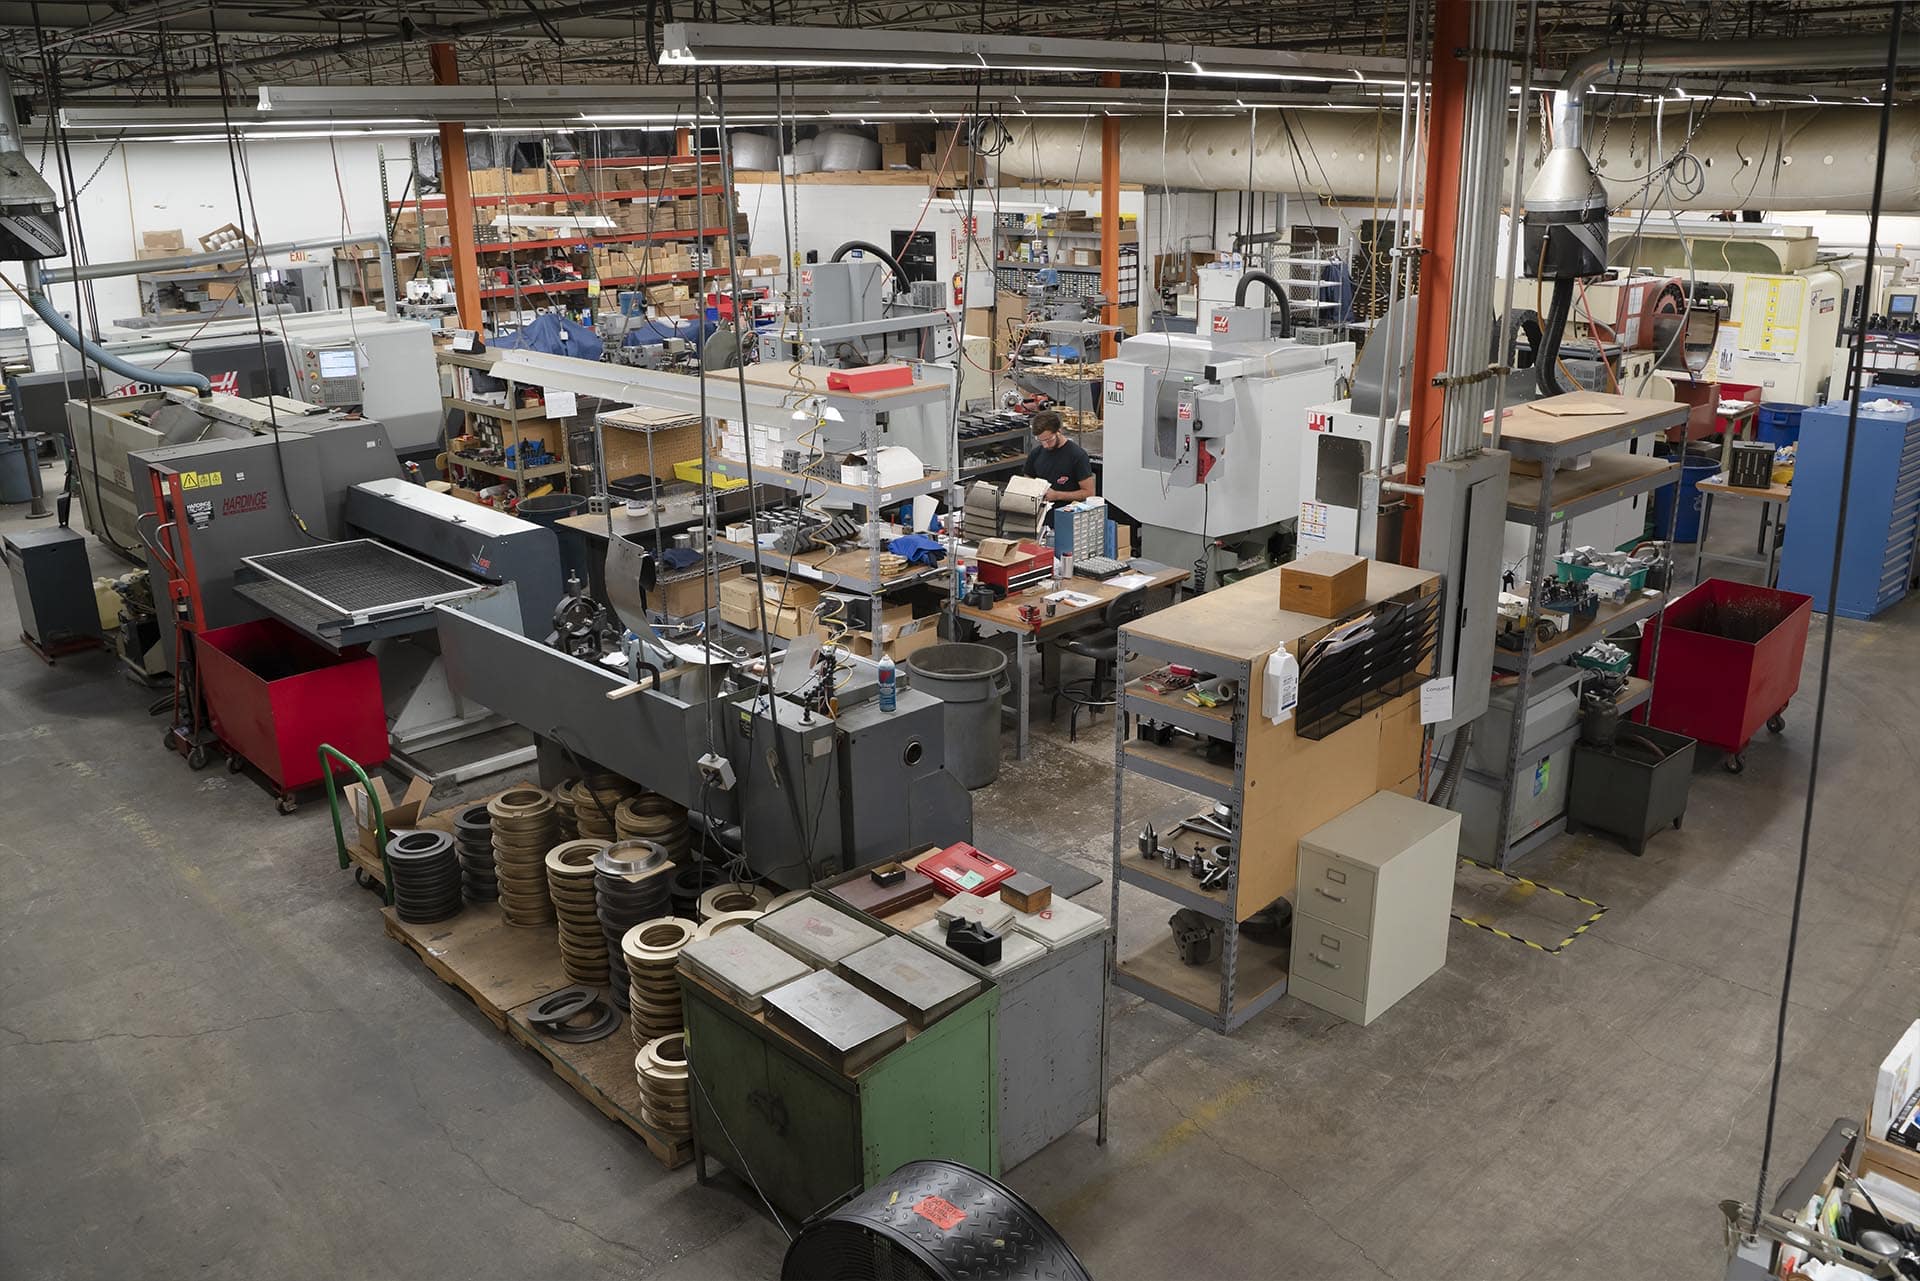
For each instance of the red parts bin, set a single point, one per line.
(274, 697)
(1714, 688)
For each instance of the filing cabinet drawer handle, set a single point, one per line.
(1322, 891)
(1332, 965)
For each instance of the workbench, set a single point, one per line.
(807, 1134)
(1050, 1028)
(1004, 620)
(1773, 522)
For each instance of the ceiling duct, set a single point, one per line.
(1781, 160)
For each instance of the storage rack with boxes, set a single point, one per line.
(1557, 475)
(1278, 781)
(652, 226)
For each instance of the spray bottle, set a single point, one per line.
(888, 695)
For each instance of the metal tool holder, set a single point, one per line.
(1610, 479)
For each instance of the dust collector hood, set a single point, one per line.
(1800, 158)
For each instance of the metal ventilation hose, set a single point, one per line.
(1275, 288)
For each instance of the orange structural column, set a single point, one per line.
(463, 261)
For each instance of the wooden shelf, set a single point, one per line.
(1156, 972)
(583, 239)
(1610, 618)
(1607, 479)
(1183, 767)
(860, 494)
(542, 197)
(494, 469)
(575, 286)
(499, 412)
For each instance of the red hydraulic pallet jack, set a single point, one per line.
(189, 733)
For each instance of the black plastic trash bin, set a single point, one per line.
(1633, 788)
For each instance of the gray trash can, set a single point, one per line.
(970, 680)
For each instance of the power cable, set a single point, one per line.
(1856, 362)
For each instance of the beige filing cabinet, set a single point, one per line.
(1370, 920)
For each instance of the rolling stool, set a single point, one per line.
(1102, 645)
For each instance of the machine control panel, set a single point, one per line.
(327, 373)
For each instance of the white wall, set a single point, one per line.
(298, 190)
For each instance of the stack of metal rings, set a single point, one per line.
(652, 951)
(630, 886)
(473, 842)
(564, 799)
(524, 821)
(595, 799)
(426, 875)
(662, 1068)
(583, 949)
(691, 880)
(652, 817)
(574, 1014)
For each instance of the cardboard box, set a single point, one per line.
(527, 182)
(221, 290)
(897, 642)
(1324, 584)
(741, 605)
(687, 597)
(401, 814)
(898, 465)
(171, 239)
(487, 182)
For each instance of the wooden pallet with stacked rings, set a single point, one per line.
(505, 971)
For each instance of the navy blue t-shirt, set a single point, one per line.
(1062, 468)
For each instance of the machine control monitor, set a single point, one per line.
(1901, 304)
(327, 373)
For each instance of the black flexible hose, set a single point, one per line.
(1547, 364)
(1274, 287)
(901, 285)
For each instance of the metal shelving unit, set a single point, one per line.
(509, 418)
(1229, 633)
(861, 412)
(1547, 502)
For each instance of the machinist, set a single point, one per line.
(1059, 461)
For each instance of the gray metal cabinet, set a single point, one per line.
(1376, 889)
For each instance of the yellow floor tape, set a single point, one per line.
(1599, 910)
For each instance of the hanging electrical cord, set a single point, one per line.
(1856, 364)
(244, 206)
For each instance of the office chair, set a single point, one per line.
(1102, 645)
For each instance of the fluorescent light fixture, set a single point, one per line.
(689, 44)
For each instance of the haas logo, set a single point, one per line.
(1219, 323)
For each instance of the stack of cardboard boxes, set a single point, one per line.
(506, 182)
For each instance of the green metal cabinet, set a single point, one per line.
(809, 1136)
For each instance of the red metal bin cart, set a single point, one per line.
(274, 697)
(1728, 661)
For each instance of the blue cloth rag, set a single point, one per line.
(918, 549)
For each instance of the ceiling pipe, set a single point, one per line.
(411, 32)
(1779, 160)
(1704, 57)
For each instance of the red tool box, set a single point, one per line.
(962, 869)
(1030, 563)
(872, 378)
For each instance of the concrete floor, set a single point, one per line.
(213, 1063)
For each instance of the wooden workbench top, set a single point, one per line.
(807, 380)
(1563, 423)
(1243, 621)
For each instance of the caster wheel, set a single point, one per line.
(197, 757)
(1777, 723)
(1737, 763)
(167, 741)
(235, 764)
(1676, 823)
(287, 804)
(364, 881)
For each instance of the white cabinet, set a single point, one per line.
(1370, 917)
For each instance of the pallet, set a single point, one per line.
(602, 1071)
(497, 966)
(504, 971)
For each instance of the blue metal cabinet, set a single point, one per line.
(1883, 508)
